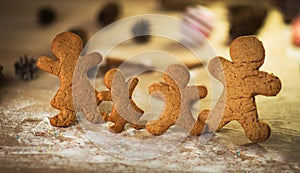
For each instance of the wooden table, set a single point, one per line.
(29, 144)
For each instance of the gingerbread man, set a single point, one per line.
(67, 47)
(84, 95)
(178, 99)
(242, 81)
(124, 108)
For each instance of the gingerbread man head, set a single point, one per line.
(65, 44)
(108, 77)
(177, 75)
(247, 50)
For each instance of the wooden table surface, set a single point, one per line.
(29, 144)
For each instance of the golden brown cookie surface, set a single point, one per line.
(242, 81)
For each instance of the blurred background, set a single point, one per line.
(28, 27)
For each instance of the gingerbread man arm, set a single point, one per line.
(91, 60)
(201, 92)
(104, 96)
(217, 66)
(132, 84)
(271, 84)
(49, 65)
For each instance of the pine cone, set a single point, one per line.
(25, 68)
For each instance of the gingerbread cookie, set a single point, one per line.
(124, 108)
(84, 95)
(178, 98)
(67, 47)
(242, 81)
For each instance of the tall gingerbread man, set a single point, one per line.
(242, 81)
(124, 108)
(67, 48)
(178, 98)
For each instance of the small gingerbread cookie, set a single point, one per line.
(242, 81)
(178, 98)
(124, 108)
(67, 48)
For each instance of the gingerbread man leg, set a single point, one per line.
(203, 115)
(90, 110)
(119, 121)
(198, 128)
(169, 116)
(217, 117)
(159, 126)
(93, 116)
(256, 131)
(64, 118)
(58, 100)
(214, 118)
(139, 125)
(67, 115)
(188, 123)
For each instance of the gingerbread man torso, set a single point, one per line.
(65, 89)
